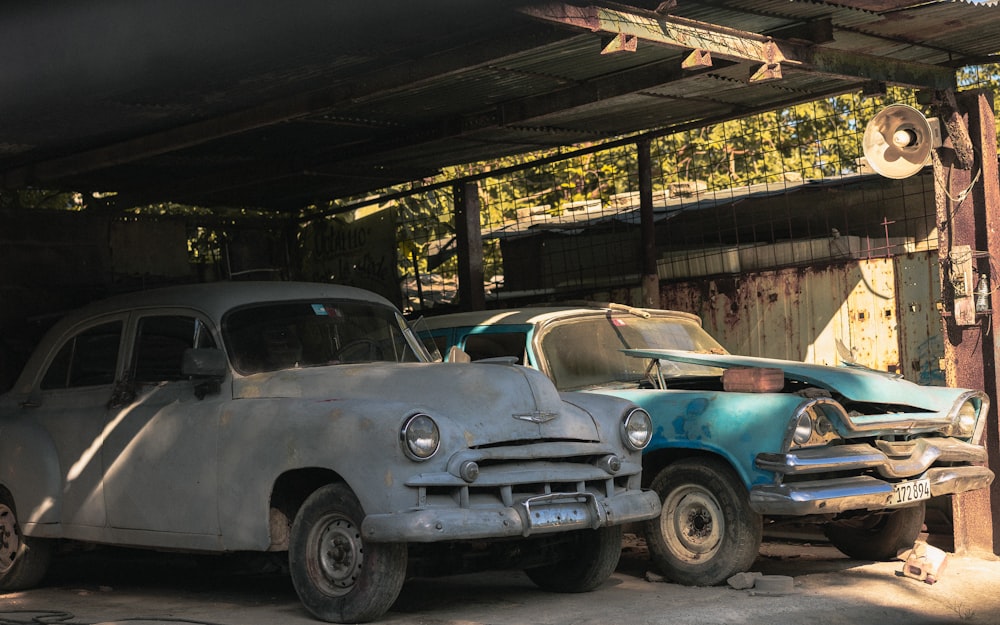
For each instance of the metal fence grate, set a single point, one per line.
(779, 189)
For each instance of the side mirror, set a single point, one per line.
(208, 364)
(456, 354)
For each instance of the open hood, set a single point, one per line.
(854, 383)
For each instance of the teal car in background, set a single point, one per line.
(745, 443)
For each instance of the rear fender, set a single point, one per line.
(29, 470)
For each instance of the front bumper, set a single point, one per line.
(883, 465)
(557, 512)
(861, 492)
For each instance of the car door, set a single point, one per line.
(69, 400)
(160, 456)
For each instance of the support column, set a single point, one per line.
(650, 276)
(967, 196)
(469, 236)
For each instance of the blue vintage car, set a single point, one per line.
(745, 443)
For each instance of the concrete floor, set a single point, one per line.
(117, 586)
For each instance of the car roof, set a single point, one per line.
(215, 298)
(545, 314)
(212, 299)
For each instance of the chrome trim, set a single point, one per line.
(857, 493)
(984, 409)
(923, 420)
(891, 460)
(537, 416)
(815, 414)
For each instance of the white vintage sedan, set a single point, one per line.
(304, 418)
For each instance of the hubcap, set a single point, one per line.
(9, 542)
(340, 554)
(692, 524)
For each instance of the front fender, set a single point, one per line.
(357, 440)
(735, 426)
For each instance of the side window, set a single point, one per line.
(87, 359)
(496, 344)
(160, 343)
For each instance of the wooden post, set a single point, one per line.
(650, 276)
(471, 290)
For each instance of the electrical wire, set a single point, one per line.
(59, 617)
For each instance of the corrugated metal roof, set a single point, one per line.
(252, 104)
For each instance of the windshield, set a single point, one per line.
(282, 335)
(587, 352)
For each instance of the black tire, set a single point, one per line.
(879, 536)
(339, 577)
(23, 560)
(706, 531)
(594, 557)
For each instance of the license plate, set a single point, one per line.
(908, 492)
(559, 516)
(555, 512)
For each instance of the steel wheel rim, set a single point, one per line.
(692, 524)
(9, 540)
(339, 552)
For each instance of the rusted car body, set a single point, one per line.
(740, 442)
(305, 418)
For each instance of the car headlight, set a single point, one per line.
(420, 437)
(637, 429)
(964, 424)
(803, 428)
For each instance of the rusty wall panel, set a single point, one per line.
(920, 342)
(802, 314)
(871, 316)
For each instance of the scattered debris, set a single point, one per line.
(743, 581)
(923, 562)
(654, 577)
(773, 586)
(760, 584)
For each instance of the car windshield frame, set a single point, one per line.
(275, 335)
(587, 352)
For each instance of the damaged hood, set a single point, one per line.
(854, 383)
(492, 402)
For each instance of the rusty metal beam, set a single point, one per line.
(741, 46)
(977, 515)
(969, 347)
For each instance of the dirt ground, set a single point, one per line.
(139, 588)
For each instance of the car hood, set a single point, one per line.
(491, 402)
(855, 383)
